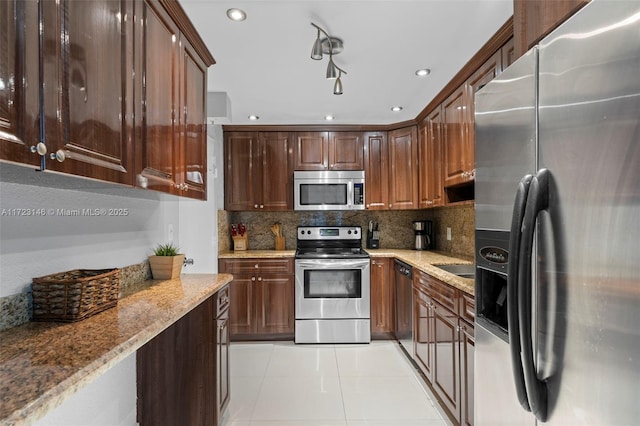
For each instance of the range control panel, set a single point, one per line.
(329, 232)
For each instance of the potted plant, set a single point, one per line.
(166, 262)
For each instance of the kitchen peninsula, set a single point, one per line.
(41, 364)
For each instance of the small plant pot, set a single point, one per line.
(166, 267)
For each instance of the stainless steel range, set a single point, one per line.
(332, 286)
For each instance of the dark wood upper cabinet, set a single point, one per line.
(487, 72)
(534, 19)
(376, 170)
(346, 151)
(257, 171)
(329, 151)
(312, 151)
(171, 86)
(403, 171)
(19, 111)
(157, 146)
(430, 160)
(192, 167)
(455, 137)
(87, 102)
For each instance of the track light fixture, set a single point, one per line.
(331, 46)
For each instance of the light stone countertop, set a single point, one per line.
(423, 260)
(43, 363)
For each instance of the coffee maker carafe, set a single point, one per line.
(423, 234)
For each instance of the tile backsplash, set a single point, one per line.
(395, 227)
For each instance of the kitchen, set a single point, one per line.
(32, 248)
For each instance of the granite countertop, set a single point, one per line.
(423, 260)
(43, 363)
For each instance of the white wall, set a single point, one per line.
(108, 401)
(32, 246)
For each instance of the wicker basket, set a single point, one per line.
(74, 295)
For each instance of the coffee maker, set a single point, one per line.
(423, 235)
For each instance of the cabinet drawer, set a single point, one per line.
(467, 307)
(253, 266)
(443, 293)
(222, 300)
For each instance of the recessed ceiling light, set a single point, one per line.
(236, 14)
(423, 72)
(329, 117)
(254, 117)
(396, 108)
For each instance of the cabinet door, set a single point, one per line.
(533, 19)
(382, 323)
(376, 171)
(274, 173)
(487, 72)
(430, 160)
(274, 302)
(446, 380)
(455, 137)
(240, 150)
(423, 332)
(241, 310)
(175, 372)
(157, 148)
(222, 365)
(19, 82)
(346, 151)
(192, 163)
(403, 176)
(467, 348)
(87, 98)
(312, 151)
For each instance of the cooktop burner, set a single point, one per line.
(330, 242)
(331, 253)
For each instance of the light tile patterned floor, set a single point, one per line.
(283, 384)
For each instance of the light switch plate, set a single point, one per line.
(448, 234)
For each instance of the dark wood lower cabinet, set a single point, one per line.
(444, 344)
(382, 298)
(467, 348)
(262, 294)
(183, 373)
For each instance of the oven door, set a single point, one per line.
(332, 288)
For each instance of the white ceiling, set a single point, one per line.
(264, 64)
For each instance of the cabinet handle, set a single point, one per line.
(58, 155)
(259, 278)
(390, 205)
(185, 187)
(255, 266)
(143, 182)
(40, 149)
(255, 206)
(458, 328)
(262, 206)
(373, 262)
(253, 278)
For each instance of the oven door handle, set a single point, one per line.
(333, 263)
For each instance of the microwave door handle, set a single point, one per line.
(350, 192)
(537, 201)
(515, 238)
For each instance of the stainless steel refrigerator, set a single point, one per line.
(558, 228)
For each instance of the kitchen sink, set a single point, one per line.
(461, 270)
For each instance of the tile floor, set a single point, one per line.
(283, 384)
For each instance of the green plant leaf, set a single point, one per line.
(168, 249)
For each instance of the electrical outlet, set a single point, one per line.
(448, 234)
(170, 232)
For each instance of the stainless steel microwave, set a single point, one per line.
(328, 190)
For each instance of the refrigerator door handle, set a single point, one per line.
(515, 237)
(537, 201)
